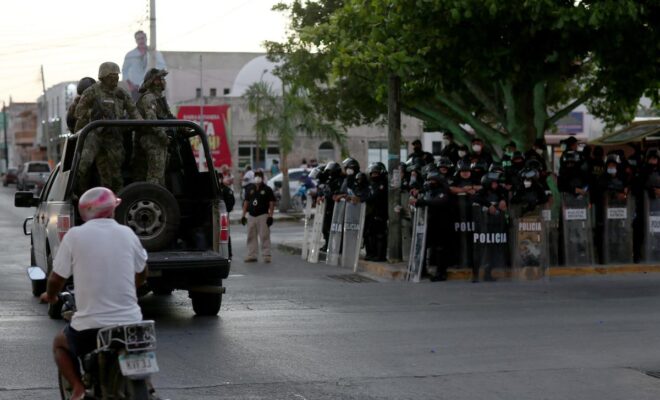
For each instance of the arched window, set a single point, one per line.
(326, 152)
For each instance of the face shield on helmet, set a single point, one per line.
(98, 202)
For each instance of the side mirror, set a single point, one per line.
(25, 199)
(25, 224)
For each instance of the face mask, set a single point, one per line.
(445, 142)
(349, 171)
(539, 152)
(611, 171)
(563, 147)
(476, 148)
(528, 184)
(461, 153)
(257, 179)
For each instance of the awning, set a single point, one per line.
(639, 129)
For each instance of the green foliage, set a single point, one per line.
(507, 69)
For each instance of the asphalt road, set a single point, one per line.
(292, 330)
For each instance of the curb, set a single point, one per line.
(277, 218)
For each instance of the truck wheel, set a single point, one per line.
(162, 291)
(151, 211)
(206, 304)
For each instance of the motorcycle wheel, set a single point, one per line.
(120, 387)
(66, 390)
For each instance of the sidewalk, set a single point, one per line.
(397, 271)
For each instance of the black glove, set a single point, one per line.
(269, 221)
(243, 221)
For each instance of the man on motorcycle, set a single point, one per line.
(107, 262)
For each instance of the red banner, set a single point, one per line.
(216, 125)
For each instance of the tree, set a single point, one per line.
(505, 70)
(286, 116)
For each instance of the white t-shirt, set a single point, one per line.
(103, 257)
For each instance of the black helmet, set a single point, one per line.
(84, 83)
(445, 162)
(376, 167)
(533, 164)
(351, 163)
(463, 165)
(316, 171)
(429, 169)
(612, 158)
(414, 164)
(332, 169)
(149, 78)
(361, 179)
(517, 154)
(479, 165)
(529, 173)
(496, 167)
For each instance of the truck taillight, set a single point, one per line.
(224, 227)
(63, 224)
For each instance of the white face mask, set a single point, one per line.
(349, 171)
(539, 152)
(611, 171)
(476, 148)
(461, 153)
(528, 184)
(257, 179)
(445, 142)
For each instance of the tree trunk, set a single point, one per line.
(394, 253)
(285, 195)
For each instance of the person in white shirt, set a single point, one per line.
(136, 63)
(107, 262)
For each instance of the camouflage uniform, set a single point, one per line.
(103, 146)
(150, 145)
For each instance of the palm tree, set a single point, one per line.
(286, 116)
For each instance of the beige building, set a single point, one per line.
(21, 134)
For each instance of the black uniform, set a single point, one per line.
(375, 225)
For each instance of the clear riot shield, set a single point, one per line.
(406, 225)
(353, 227)
(578, 230)
(618, 229)
(417, 244)
(307, 217)
(336, 231)
(530, 245)
(551, 218)
(464, 227)
(490, 241)
(651, 230)
(316, 236)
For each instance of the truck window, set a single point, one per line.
(39, 167)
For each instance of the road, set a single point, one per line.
(292, 330)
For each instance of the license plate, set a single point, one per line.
(138, 364)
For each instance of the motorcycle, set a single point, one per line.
(122, 363)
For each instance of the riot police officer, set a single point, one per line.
(446, 168)
(83, 84)
(351, 188)
(572, 178)
(530, 194)
(333, 180)
(375, 226)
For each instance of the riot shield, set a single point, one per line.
(490, 241)
(406, 225)
(353, 227)
(530, 245)
(577, 230)
(417, 244)
(618, 230)
(651, 230)
(336, 230)
(307, 218)
(316, 236)
(551, 218)
(464, 228)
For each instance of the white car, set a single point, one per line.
(275, 182)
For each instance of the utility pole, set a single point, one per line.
(4, 123)
(151, 62)
(394, 253)
(46, 127)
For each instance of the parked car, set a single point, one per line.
(32, 175)
(295, 174)
(10, 177)
(183, 225)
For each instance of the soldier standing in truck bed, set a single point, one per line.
(103, 100)
(150, 144)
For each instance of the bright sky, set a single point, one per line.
(70, 38)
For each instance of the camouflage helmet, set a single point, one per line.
(108, 68)
(149, 78)
(84, 83)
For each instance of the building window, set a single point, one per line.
(378, 152)
(213, 92)
(436, 147)
(249, 154)
(326, 152)
(226, 91)
(198, 92)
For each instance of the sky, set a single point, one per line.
(71, 38)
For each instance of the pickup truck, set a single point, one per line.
(183, 225)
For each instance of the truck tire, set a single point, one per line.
(206, 304)
(151, 211)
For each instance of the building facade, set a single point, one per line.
(21, 134)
